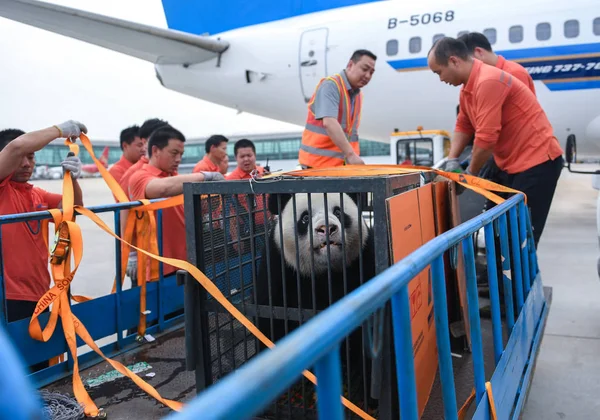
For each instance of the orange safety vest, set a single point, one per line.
(317, 149)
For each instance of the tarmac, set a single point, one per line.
(564, 386)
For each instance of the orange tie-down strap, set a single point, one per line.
(463, 410)
(478, 185)
(63, 276)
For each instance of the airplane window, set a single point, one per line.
(597, 26)
(490, 34)
(461, 33)
(543, 31)
(515, 34)
(571, 28)
(436, 37)
(392, 47)
(414, 44)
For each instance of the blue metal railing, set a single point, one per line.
(317, 342)
(120, 310)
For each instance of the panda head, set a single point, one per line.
(313, 234)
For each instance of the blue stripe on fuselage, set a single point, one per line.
(525, 53)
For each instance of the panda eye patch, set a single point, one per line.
(337, 212)
(305, 218)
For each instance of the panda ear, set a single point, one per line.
(356, 197)
(272, 202)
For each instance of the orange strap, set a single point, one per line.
(479, 185)
(212, 289)
(57, 296)
(72, 325)
(63, 276)
(463, 410)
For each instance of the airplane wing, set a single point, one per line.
(157, 45)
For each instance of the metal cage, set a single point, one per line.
(228, 226)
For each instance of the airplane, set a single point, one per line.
(87, 171)
(266, 57)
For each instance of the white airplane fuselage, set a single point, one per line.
(261, 71)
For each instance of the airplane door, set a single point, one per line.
(313, 59)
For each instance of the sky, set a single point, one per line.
(48, 78)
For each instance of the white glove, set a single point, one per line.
(131, 270)
(71, 129)
(72, 164)
(453, 165)
(213, 176)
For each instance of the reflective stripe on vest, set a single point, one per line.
(317, 149)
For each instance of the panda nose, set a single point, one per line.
(322, 229)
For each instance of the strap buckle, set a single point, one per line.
(61, 246)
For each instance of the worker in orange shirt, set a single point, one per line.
(480, 48)
(216, 150)
(133, 148)
(245, 156)
(506, 120)
(159, 178)
(143, 134)
(330, 136)
(24, 250)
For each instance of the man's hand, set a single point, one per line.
(453, 165)
(213, 176)
(71, 129)
(72, 164)
(131, 270)
(354, 159)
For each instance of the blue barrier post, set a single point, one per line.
(19, 400)
(492, 270)
(524, 248)
(516, 257)
(161, 279)
(405, 363)
(506, 274)
(474, 321)
(443, 338)
(117, 219)
(329, 385)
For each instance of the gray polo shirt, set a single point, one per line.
(327, 100)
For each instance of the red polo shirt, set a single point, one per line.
(124, 182)
(173, 226)
(206, 165)
(119, 168)
(505, 116)
(516, 70)
(24, 251)
(238, 174)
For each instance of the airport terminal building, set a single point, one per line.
(280, 149)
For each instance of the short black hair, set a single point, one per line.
(161, 136)
(358, 54)
(128, 135)
(475, 39)
(447, 47)
(240, 144)
(214, 140)
(149, 126)
(8, 135)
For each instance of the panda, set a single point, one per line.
(296, 264)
